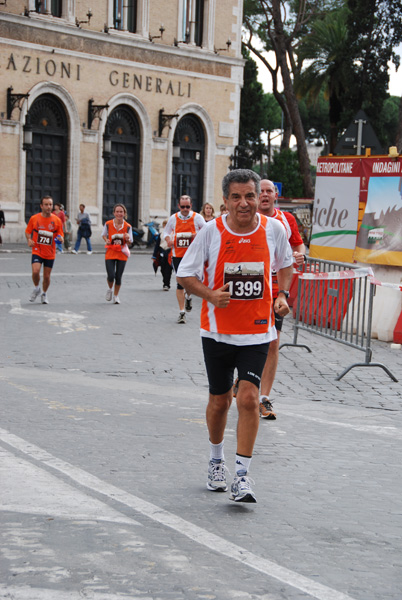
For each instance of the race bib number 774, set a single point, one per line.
(45, 237)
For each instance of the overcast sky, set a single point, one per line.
(395, 84)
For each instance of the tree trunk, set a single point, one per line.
(287, 120)
(279, 44)
(268, 149)
(281, 100)
(398, 140)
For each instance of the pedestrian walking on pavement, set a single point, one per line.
(42, 231)
(2, 223)
(68, 233)
(229, 266)
(84, 230)
(162, 257)
(117, 233)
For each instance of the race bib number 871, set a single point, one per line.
(246, 280)
(183, 239)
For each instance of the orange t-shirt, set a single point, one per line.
(184, 234)
(244, 263)
(116, 236)
(43, 231)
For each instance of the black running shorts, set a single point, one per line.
(46, 262)
(176, 260)
(222, 359)
(278, 321)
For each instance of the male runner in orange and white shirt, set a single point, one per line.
(266, 206)
(41, 233)
(229, 265)
(179, 233)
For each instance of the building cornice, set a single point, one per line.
(124, 47)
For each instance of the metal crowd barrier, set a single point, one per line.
(335, 301)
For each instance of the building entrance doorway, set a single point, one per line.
(121, 172)
(46, 163)
(188, 170)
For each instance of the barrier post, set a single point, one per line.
(342, 311)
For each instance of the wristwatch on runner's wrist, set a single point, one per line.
(284, 292)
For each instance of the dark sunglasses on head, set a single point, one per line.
(185, 206)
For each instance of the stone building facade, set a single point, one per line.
(133, 101)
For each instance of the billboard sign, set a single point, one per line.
(336, 209)
(380, 235)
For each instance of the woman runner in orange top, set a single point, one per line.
(116, 233)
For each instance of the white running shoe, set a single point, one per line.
(182, 318)
(73, 251)
(89, 252)
(109, 295)
(116, 300)
(217, 476)
(44, 299)
(34, 295)
(241, 489)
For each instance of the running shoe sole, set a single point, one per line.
(248, 498)
(222, 488)
(34, 295)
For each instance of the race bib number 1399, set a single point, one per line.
(246, 280)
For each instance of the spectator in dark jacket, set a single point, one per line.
(84, 230)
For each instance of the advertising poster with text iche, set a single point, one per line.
(335, 218)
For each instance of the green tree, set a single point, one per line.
(375, 29)
(285, 168)
(326, 47)
(274, 121)
(259, 112)
(349, 49)
(277, 26)
(386, 124)
(315, 118)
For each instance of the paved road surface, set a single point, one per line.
(104, 455)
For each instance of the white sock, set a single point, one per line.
(216, 451)
(242, 464)
(263, 397)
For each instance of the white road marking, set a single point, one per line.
(167, 519)
(25, 489)
(68, 322)
(376, 429)
(10, 374)
(31, 593)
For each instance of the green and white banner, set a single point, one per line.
(336, 209)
